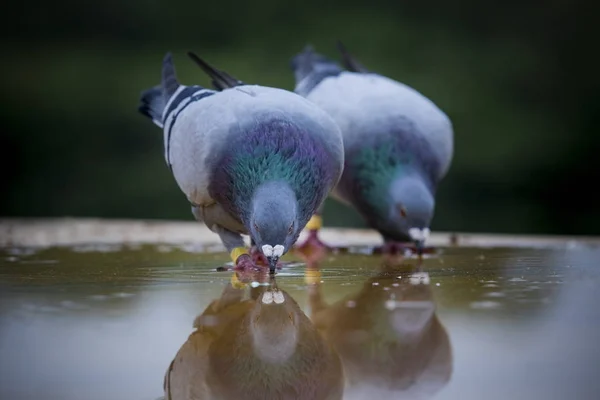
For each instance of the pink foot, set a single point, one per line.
(247, 271)
(313, 250)
(314, 242)
(260, 259)
(245, 263)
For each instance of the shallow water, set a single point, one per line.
(105, 322)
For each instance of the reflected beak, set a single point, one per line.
(272, 264)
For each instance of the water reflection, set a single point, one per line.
(387, 334)
(523, 323)
(254, 342)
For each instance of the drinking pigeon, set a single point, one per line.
(250, 159)
(398, 146)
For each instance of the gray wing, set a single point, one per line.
(367, 105)
(364, 104)
(349, 61)
(220, 79)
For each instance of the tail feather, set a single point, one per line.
(310, 68)
(153, 101)
(349, 61)
(169, 77)
(152, 104)
(220, 79)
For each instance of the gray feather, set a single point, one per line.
(153, 101)
(203, 128)
(169, 77)
(220, 79)
(152, 104)
(393, 137)
(349, 61)
(311, 68)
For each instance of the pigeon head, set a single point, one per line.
(412, 208)
(273, 222)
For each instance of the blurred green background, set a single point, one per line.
(518, 79)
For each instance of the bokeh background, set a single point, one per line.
(518, 79)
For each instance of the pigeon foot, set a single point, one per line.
(260, 260)
(313, 242)
(258, 257)
(313, 250)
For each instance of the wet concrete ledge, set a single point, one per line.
(78, 231)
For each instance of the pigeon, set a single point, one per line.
(262, 347)
(398, 146)
(251, 160)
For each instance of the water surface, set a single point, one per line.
(105, 322)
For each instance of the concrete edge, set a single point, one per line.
(47, 232)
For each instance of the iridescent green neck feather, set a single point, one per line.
(274, 150)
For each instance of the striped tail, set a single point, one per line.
(153, 101)
(310, 68)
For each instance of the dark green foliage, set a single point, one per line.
(519, 81)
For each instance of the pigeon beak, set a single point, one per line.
(272, 264)
(273, 253)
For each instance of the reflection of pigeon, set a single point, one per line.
(388, 335)
(398, 144)
(251, 159)
(261, 348)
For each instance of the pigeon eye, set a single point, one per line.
(256, 227)
(403, 211)
(291, 229)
